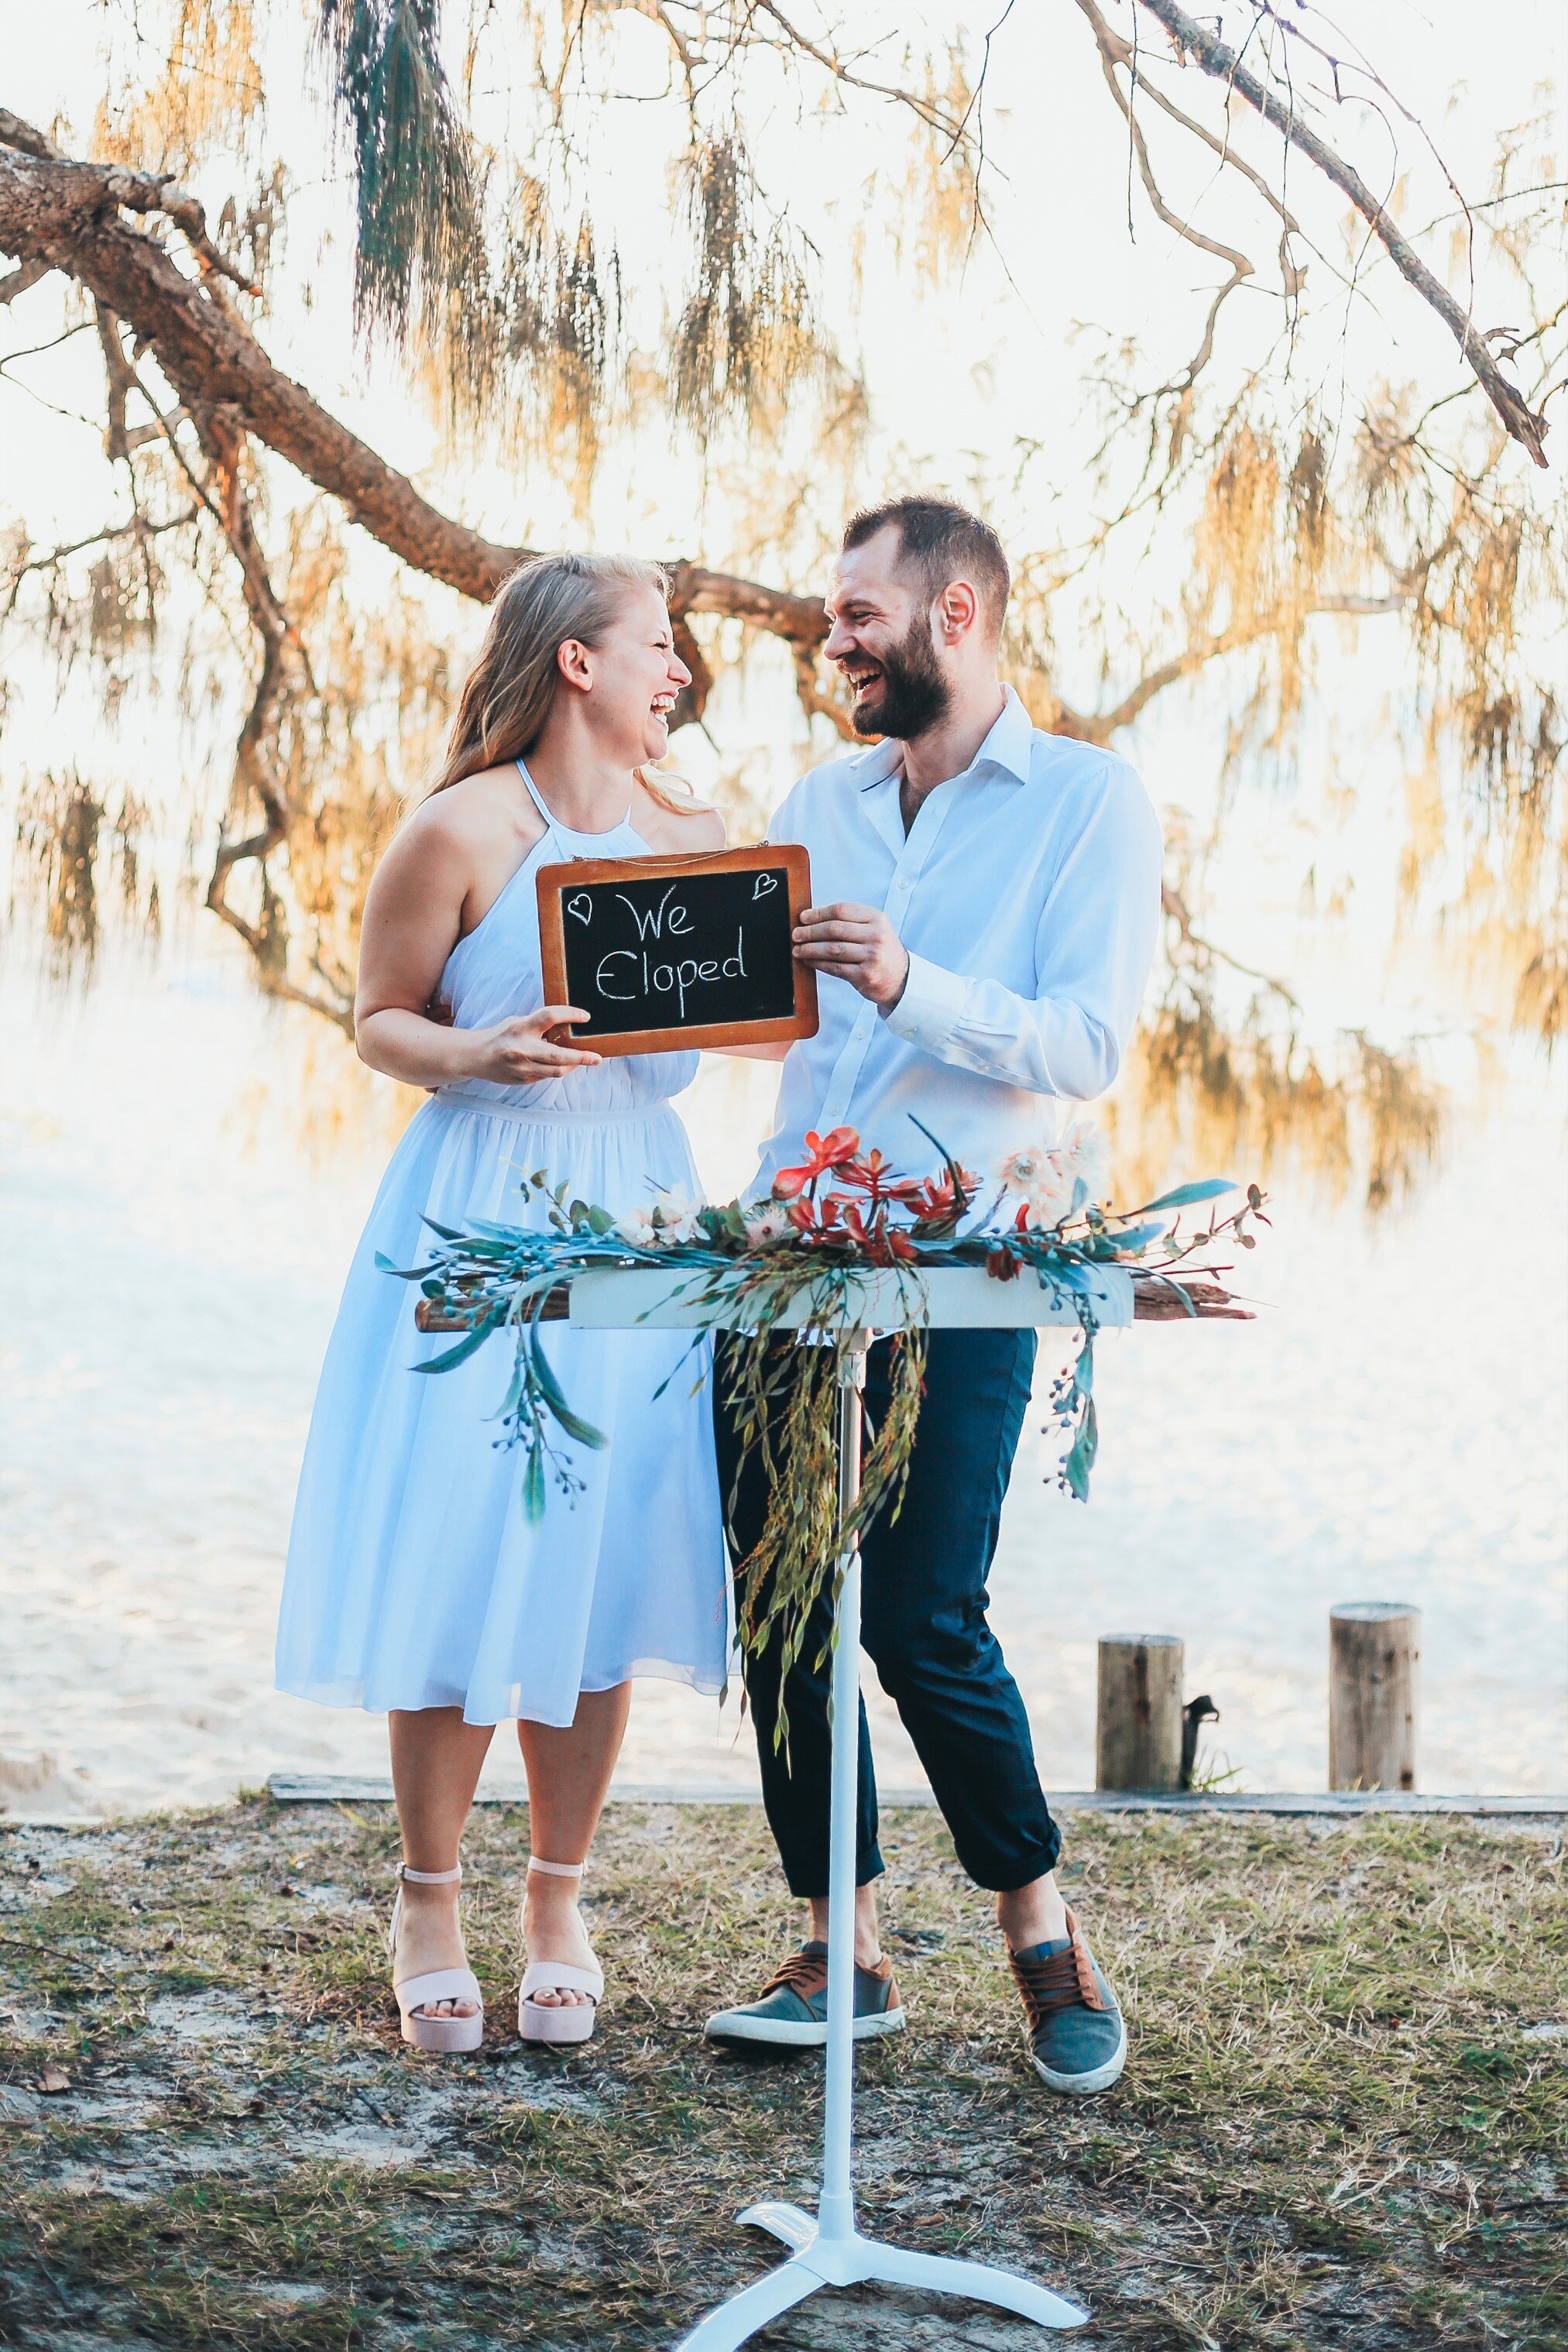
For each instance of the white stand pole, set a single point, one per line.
(830, 2251)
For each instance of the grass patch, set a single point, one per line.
(1334, 2128)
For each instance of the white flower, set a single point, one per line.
(675, 1216)
(1048, 1178)
(1050, 1198)
(668, 1217)
(1020, 1170)
(766, 1221)
(1089, 1157)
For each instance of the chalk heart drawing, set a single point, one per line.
(763, 884)
(582, 907)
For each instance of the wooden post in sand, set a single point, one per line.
(1137, 1740)
(1374, 1667)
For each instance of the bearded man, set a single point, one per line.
(989, 897)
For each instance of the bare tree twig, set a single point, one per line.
(1222, 63)
(1241, 267)
(934, 117)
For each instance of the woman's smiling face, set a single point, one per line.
(634, 675)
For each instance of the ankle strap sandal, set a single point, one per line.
(557, 2020)
(415, 1995)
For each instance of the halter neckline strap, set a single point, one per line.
(558, 826)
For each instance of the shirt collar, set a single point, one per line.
(1009, 746)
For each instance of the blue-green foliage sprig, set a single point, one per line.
(498, 1276)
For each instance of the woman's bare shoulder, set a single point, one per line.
(483, 812)
(678, 830)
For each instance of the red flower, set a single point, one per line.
(835, 1150)
(874, 1175)
(1002, 1267)
(934, 1198)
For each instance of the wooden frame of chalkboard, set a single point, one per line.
(627, 928)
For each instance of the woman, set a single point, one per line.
(415, 1582)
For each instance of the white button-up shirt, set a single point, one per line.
(1027, 894)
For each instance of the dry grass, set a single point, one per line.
(1336, 2126)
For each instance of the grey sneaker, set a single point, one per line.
(1077, 2038)
(792, 2010)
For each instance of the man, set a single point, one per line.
(988, 897)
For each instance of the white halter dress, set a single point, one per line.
(414, 1578)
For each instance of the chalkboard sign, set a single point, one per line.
(667, 952)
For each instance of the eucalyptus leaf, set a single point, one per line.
(465, 1347)
(1130, 1239)
(1208, 1188)
(549, 1389)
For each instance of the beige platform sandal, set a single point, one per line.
(559, 2021)
(414, 1995)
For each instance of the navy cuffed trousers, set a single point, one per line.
(922, 1622)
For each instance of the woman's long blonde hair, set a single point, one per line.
(508, 694)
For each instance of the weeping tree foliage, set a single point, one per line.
(1345, 440)
(418, 190)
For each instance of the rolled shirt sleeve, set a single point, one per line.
(1095, 943)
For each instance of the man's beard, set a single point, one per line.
(915, 692)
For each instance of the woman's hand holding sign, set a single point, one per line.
(524, 1051)
(857, 944)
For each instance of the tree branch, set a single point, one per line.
(1223, 64)
(1113, 52)
(64, 214)
(121, 381)
(20, 279)
(1099, 726)
(936, 118)
(137, 526)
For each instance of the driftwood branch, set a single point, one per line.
(1167, 1298)
(1223, 64)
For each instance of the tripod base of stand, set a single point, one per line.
(846, 2259)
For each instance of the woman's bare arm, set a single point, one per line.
(413, 920)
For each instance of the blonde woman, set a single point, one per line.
(415, 1582)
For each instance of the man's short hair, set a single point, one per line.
(941, 541)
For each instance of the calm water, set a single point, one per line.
(185, 1173)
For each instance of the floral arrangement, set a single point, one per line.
(842, 1210)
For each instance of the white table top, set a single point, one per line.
(647, 1297)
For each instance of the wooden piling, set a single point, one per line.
(1139, 1722)
(1374, 1666)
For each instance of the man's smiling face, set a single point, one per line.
(881, 639)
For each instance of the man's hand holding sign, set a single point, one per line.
(857, 944)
